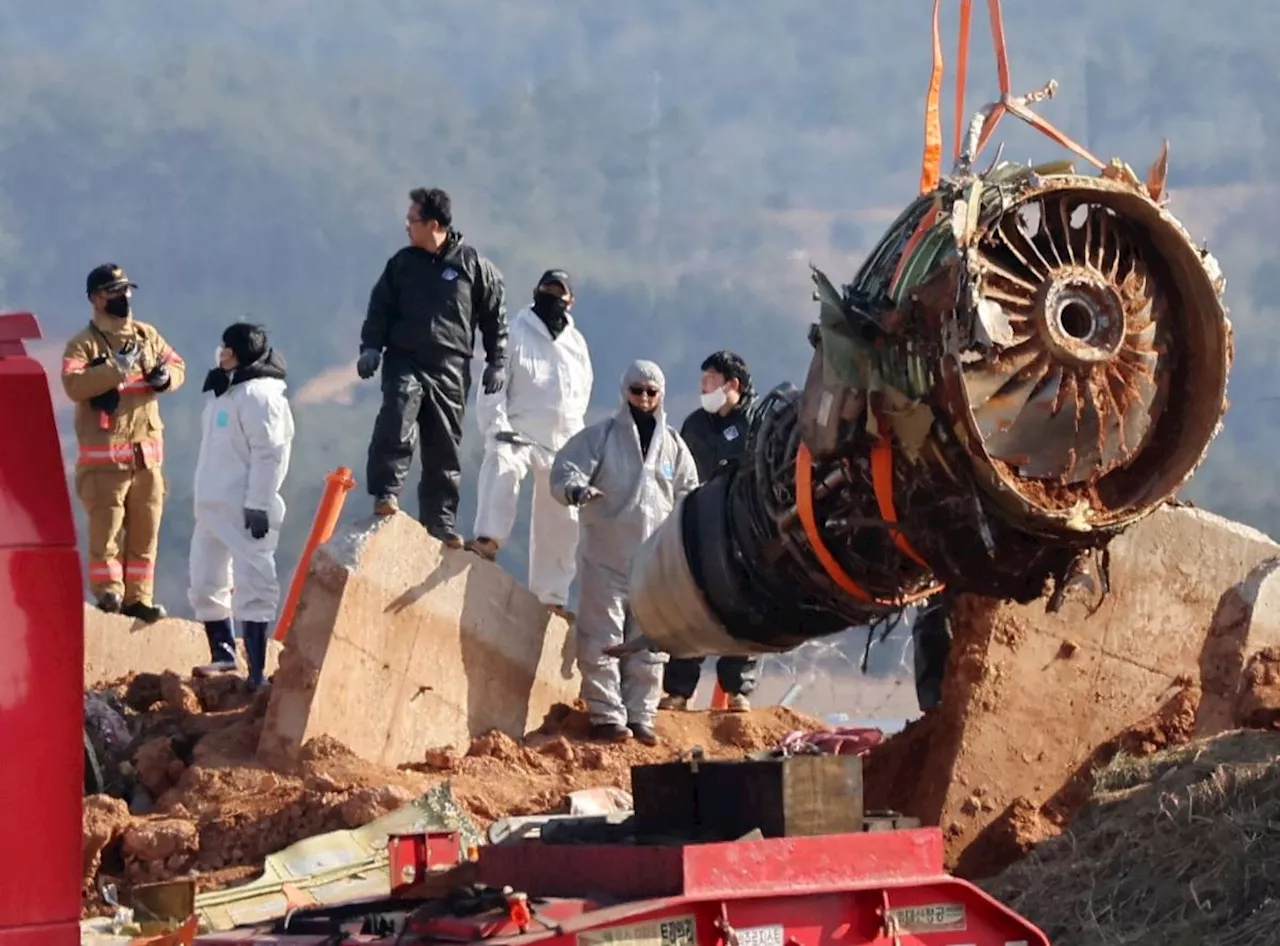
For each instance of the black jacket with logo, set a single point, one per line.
(428, 306)
(716, 441)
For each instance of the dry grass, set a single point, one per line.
(1175, 849)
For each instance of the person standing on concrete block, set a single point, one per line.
(626, 473)
(114, 370)
(246, 434)
(543, 404)
(716, 433)
(421, 328)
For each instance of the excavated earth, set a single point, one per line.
(204, 806)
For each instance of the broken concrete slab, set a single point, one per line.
(115, 646)
(1031, 697)
(400, 645)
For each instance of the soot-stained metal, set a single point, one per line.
(1029, 361)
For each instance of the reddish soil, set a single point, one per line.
(219, 812)
(955, 767)
(1259, 704)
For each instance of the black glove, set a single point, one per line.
(581, 495)
(107, 401)
(368, 363)
(495, 376)
(158, 377)
(255, 520)
(513, 438)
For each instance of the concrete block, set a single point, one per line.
(400, 645)
(115, 646)
(1030, 697)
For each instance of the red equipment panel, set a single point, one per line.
(41, 662)
(881, 889)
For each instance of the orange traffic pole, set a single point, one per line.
(719, 698)
(336, 486)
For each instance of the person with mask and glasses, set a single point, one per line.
(626, 473)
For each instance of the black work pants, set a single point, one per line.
(931, 644)
(735, 674)
(422, 404)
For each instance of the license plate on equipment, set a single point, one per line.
(930, 918)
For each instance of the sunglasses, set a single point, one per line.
(639, 390)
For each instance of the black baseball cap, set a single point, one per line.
(556, 276)
(107, 278)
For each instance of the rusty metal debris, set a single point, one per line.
(1029, 361)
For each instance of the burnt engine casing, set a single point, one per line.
(1029, 362)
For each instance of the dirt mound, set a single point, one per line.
(196, 800)
(1179, 847)
(499, 777)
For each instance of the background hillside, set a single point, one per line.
(684, 161)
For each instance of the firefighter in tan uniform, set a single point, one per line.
(114, 369)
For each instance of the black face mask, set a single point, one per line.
(118, 306)
(553, 311)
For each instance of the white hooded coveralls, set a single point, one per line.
(639, 494)
(544, 401)
(246, 436)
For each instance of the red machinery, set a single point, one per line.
(41, 662)
(884, 888)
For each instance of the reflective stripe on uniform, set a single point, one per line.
(70, 365)
(110, 454)
(105, 571)
(170, 357)
(135, 384)
(138, 570)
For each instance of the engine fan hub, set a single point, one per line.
(1080, 317)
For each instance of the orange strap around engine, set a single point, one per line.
(804, 507)
(931, 160)
(962, 72)
(882, 483)
(808, 520)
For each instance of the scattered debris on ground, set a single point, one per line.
(191, 799)
(1179, 847)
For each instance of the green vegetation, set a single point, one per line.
(685, 161)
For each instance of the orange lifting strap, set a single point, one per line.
(931, 160)
(804, 508)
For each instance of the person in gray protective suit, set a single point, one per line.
(626, 473)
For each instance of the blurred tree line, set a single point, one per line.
(685, 162)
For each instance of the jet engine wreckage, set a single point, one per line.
(1030, 361)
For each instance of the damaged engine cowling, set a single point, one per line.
(1029, 362)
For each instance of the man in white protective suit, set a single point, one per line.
(542, 405)
(246, 437)
(626, 473)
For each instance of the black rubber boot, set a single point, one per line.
(255, 647)
(109, 603)
(222, 648)
(146, 613)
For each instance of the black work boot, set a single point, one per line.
(385, 506)
(222, 649)
(146, 613)
(109, 602)
(645, 734)
(255, 647)
(447, 536)
(609, 732)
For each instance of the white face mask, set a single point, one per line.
(712, 401)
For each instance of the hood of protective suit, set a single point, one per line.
(270, 365)
(638, 372)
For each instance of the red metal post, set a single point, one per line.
(41, 662)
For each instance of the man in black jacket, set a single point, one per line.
(423, 314)
(716, 434)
